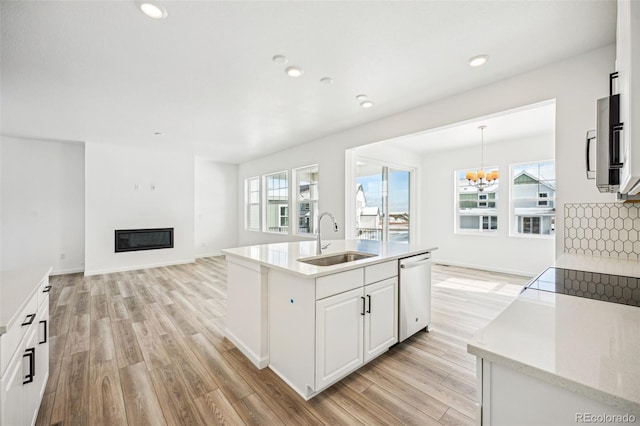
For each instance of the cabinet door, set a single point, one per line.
(381, 320)
(339, 336)
(11, 394)
(31, 393)
(42, 350)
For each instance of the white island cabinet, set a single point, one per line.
(24, 343)
(314, 325)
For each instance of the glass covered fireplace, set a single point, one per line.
(143, 239)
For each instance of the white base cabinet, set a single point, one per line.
(381, 317)
(511, 398)
(349, 318)
(26, 345)
(339, 336)
(354, 327)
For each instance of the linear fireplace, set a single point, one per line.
(143, 239)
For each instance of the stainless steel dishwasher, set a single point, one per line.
(415, 295)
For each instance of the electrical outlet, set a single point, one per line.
(62, 256)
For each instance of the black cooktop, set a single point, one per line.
(592, 285)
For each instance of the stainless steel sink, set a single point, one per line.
(336, 259)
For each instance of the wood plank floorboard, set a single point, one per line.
(148, 347)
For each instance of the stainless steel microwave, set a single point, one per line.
(605, 145)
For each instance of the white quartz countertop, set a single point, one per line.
(17, 287)
(586, 346)
(284, 256)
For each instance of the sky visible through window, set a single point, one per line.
(398, 185)
(544, 171)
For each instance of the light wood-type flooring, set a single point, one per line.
(147, 348)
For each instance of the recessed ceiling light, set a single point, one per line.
(478, 60)
(152, 9)
(158, 133)
(361, 98)
(280, 59)
(294, 71)
(326, 80)
(366, 104)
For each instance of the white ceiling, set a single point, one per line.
(525, 122)
(100, 71)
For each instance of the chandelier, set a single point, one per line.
(481, 179)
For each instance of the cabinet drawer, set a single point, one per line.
(43, 291)
(11, 339)
(338, 283)
(381, 271)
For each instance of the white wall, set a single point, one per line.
(492, 251)
(216, 198)
(575, 83)
(112, 202)
(42, 204)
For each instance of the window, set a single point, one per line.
(489, 222)
(252, 203)
(306, 199)
(382, 202)
(277, 202)
(533, 189)
(529, 225)
(284, 216)
(543, 198)
(476, 210)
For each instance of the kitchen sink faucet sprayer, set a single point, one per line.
(335, 229)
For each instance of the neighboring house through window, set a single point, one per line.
(306, 182)
(382, 202)
(277, 202)
(533, 194)
(476, 210)
(252, 203)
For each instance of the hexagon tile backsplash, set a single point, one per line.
(607, 229)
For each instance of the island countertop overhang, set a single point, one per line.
(285, 256)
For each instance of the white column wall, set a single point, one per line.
(163, 198)
(216, 198)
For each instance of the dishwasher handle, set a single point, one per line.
(415, 263)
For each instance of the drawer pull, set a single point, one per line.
(28, 320)
(31, 354)
(45, 332)
(369, 297)
(363, 303)
(46, 289)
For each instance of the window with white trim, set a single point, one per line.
(533, 194)
(252, 203)
(284, 216)
(306, 208)
(276, 197)
(477, 210)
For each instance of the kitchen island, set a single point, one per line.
(313, 325)
(555, 359)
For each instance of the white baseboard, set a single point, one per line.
(136, 267)
(260, 363)
(67, 271)
(484, 268)
(212, 254)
